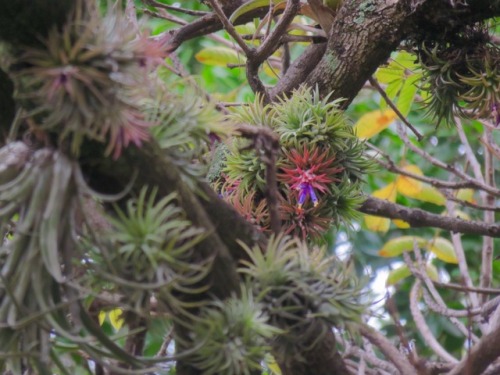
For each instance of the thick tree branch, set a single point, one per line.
(365, 33)
(418, 218)
(481, 356)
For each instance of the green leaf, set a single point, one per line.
(443, 249)
(250, 6)
(397, 274)
(407, 94)
(399, 245)
(219, 56)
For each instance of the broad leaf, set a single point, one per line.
(399, 245)
(373, 123)
(116, 318)
(443, 249)
(219, 56)
(381, 224)
(401, 224)
(408, 186)
(402, 272)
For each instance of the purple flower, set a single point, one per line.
(306, 190)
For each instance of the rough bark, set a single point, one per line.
(365, 33)
(322, 358)
(419, 218)
(481, 355)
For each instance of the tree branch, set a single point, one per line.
(481, 355)
(418, 218)
(386, 347)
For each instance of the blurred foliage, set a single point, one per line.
(135, 259)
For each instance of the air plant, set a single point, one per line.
(85, 82)
(461, 76)
(147, 251)
(310, 173)
(232, 337)
(319, 166)
(303, 292)
(41, 193)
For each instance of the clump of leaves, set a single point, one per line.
(86, 80)
(147, 250)
(303, 292)
(320, 162)
(185, 128)
(41, 196)
(232, 337)
(462, 77)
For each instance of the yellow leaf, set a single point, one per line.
(443, 249)
(373, 123)
(458, 214)
(401, 224)
(466, 195)
(398, 245)
(381, 224)
(101, 317)
(388, 192)
(431, 194)
(271, 71)
(407, 185)
(272, 365)
(377, 224)
(219, 56)
(115, 318)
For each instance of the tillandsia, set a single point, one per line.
(232, 337)
(320, 163)
(147, 251)
(461, 76)
(303, 291)
(41, 195)
(87, 80)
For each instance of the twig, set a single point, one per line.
(421, 274)
(489, 217)
(469, 153)
(230, 28)
(450, 168)
(386, 347)
(477, 206)
(165, 16)
(462, 262)
(372, 359)
(391, 166)
(389, 102)
(267, 142)
(393, 312)
(190, 12)
(442, 310)
(423, 328)
(285, 39)
(272, 42)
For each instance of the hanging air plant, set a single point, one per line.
(462, 77)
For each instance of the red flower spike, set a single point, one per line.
(309, 173)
